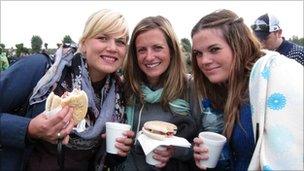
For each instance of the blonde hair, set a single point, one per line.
(106, 22)
(174, 77)
(246, 50)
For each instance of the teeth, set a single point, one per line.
(109, 59)
(152, 65)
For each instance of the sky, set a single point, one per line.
(52, 20)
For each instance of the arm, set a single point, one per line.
(187, 129)
(16, 84)
(187, 125)
(276, 96)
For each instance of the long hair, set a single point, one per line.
(246, 50)
(106, 22)
(173, 78)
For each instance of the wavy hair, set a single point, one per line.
(174, 77)
(245, 47)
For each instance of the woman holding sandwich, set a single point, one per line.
(156, 88)
(28, 137)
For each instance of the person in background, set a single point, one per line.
(267, 29)
(4, 64)
(224, 54)
(157, 88)
(28, 138)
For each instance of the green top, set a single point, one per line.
(3, 62)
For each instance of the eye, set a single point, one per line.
(103, 38)
(120, 42)
(197, 53)
(158, 48)
(214, 49)
(141, 50)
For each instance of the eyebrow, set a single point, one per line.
(213, 45)
(121, 38)
(209, 47)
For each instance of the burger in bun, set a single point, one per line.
(159, 130)
(77, 99)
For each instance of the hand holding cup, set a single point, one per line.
(124, 144)
(207, 149)
(114, 131)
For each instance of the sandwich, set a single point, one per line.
(77, 99)
(159, 129)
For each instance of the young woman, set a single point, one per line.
(224, 53)
(156, 88)
(28, 138)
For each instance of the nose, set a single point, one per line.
(205, 59)
(111, 45)
(149, 55)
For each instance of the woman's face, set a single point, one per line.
(104, 54)
(153, 54)
(213, 54)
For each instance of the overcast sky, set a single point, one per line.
(51, 20)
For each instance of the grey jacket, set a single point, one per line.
(187, 128)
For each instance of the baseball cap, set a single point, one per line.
(264, 25)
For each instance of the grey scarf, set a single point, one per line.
(111, 107)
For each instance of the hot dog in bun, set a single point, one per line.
(159, 130)
(77, 99)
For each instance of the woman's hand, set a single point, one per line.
(200, 152)
(51, 128)
(163, 155)
(125, 143)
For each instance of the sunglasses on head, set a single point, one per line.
(260, 27)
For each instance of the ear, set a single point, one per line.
(279, 33)
(83, 47)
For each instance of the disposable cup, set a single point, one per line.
(215, 143)
(114, 130)
(149, 157)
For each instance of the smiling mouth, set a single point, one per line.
(109, 59)
(152, 65)
(211, 69)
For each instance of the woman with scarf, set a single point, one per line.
(29, 139)
(252, 96)
(157, 88)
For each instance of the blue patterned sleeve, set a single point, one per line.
(212, 120)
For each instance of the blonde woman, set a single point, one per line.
(102, 49)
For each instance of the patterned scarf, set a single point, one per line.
(77, 76)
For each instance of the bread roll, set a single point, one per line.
(159, 129)
(77, 99)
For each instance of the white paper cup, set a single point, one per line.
(114, 130)
(149, 157)
(215, 143)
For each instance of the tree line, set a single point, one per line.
(36, 47)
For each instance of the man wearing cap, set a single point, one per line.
(268, 31)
